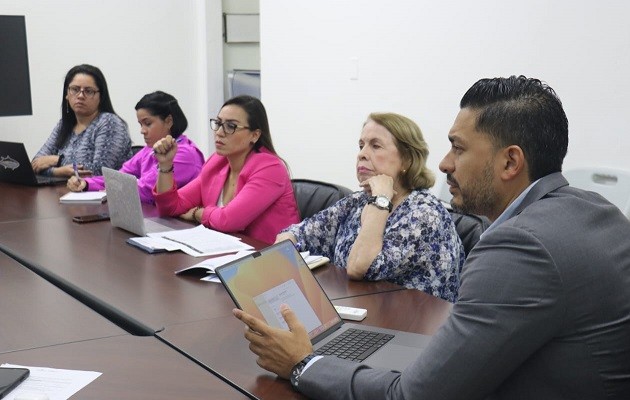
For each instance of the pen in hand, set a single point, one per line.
(76, 171)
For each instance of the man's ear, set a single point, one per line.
(513, 162)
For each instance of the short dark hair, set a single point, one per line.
(256, 119)
(68, 118)
(161, 104)
(524, 112)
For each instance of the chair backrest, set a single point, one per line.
(469, 227)
(314, 196)
(613, 184)
(242, 81)
(136, 148)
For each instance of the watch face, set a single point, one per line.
(382, 202)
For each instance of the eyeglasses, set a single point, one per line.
(228, 127)
(87, 92)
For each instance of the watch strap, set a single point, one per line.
(298, 368)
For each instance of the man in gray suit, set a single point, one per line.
(544, 304)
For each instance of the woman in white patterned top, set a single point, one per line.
(89, 135)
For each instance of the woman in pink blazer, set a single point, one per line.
(243, 187)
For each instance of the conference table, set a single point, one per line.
(35, 313)
(44, 326)
(27, 202)
(132, 367)
(219, 343)
(141, 293)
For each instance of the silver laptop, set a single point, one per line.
(260, 282)
(15, 167)
(125, 209)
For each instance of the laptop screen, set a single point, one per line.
(15, 166)
(260, 282)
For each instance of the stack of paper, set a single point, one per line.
(153, 245)
(211, 264)
(83, 198)
(197, 242)
(314, 261)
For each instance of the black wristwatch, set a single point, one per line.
(381, 202)
(297, 370)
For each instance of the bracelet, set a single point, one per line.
(194, 214)
(166, 171)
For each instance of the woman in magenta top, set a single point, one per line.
(159, 115)
(243, 187)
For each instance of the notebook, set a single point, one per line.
(125, 209)
(15, 167)
(261, 281)
(83, 198)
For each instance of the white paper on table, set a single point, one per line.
(201, 241)
(314, 261)
(57, 384)
(211, 278)
(211, 264)
(157, 243)
(83, 197)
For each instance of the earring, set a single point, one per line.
(404, 171)
(67, 107)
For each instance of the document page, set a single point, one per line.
(83, 197)
(290, 294)
(201, 241)
(211, 264)
(56, 384)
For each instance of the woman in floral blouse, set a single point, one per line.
(394, 229)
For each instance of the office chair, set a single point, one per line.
(469, 227)
(314, 196)
(241, 81)
(613, 184)
(136, 148)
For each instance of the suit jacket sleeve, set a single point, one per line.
(510, 304)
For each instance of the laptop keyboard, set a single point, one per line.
(355, 344)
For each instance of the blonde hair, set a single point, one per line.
(413, 150)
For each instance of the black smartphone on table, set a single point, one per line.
(81, 219)
(10, 378)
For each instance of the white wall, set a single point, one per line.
(140, 45)
(413, 57)
(418, 57)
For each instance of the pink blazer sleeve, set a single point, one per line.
(260, 184)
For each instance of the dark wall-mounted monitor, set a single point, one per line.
(15, 86)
